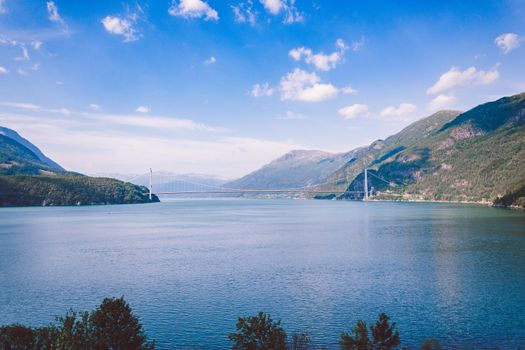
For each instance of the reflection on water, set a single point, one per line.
(190, 267)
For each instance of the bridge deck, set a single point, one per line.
(250, 191)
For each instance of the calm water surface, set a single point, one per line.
(190, 267)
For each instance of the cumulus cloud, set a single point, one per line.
(291, 13)
(455, 78)
(354, 111)
(273, 6)
(348, 90)
(3, 70)
(193, 9)
(211, 60)
(303, 86)
(403, 109)
(508, 42)
(244, 12)
(94, 107)
(441, 102)
(121, 26)
(142, 109)
(260, 90)
(320, 60)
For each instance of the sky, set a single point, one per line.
(223, 87)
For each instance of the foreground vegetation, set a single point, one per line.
(32, 190)
(112, 325)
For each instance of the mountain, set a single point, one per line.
(476, 156)
(13, 135)
(28, 177)
(299, 168)
(381, 150)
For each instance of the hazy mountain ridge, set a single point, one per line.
(295, 169)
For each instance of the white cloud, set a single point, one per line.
(53, 15)
(25, 53)
(244, 12)
(22, 72)
(273, 6)
(33, 108)
(508, 42)
(354, 111)
(348, 90)
(121, 26)
(358, 44)
(193, 9)
(403, 109)
(441, 102)
(291, 13)
(289, 115)
(36, 44)
(3, 70)
(320, 60)
(142, 109)
(3, 9)
(455, 78)
(211, 60)
(303, 86)
(143, 144)
(94, 107)
(260, 90)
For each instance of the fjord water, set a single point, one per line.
(190, 267)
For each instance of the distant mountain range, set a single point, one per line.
(296, 169)
(475, 156)
(28, 177)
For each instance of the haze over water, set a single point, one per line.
(190, 267)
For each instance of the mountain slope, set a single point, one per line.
(477, 156)
(299, 168)
(28, 177)
(13, 135)
(382, 150)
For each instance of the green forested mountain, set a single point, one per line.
(28, 177)
(476, 156)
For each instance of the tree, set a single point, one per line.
(75, 331)
(300, 341)
(384, 336)
(113, 326)
(431, 344)
(359, 340)
(258, 333)
(17, 337)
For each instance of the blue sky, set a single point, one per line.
(223, 87)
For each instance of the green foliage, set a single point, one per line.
(384, 336)
(258, 333)
(431, 344)
(17, 337)
(21, 190)
(111, 326)
(301, 341)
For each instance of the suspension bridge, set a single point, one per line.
(169, 184)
